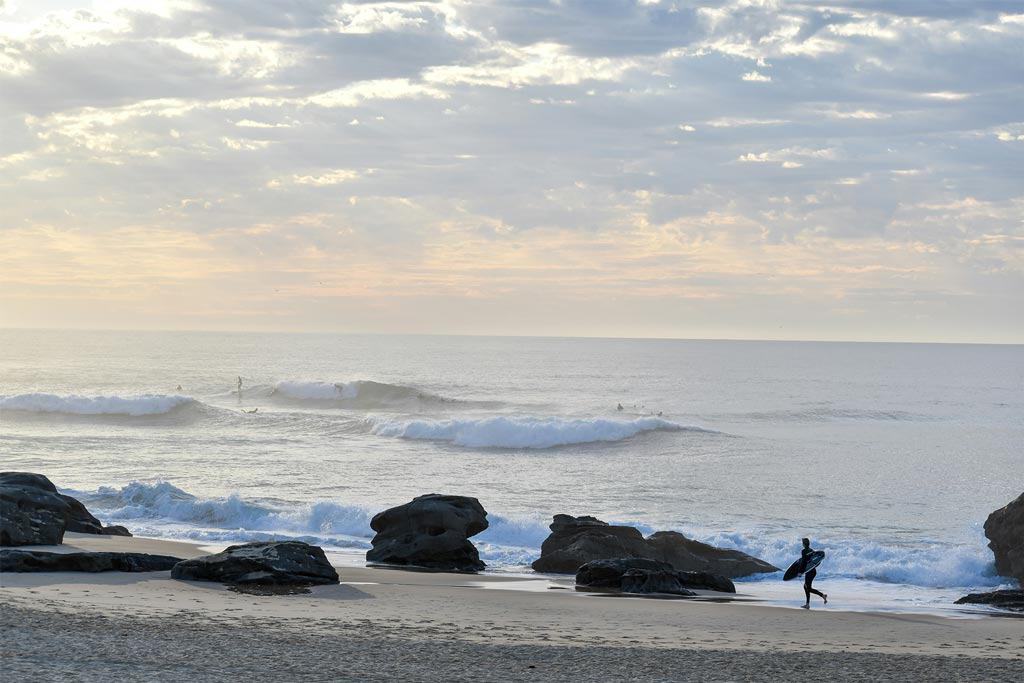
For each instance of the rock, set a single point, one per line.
(575, 541)
(653, 581)
(116, 530)
(1005, 531)
(266, 563)
(609, 573)
(1007, 599)
(693, 556)
(30, 514)
(39, 561)
(431, 532)
(33, 512)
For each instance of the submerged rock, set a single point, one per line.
(33, 512)
(1005, 531)
(575, 541)
(431, 532)
(39, 561)
(653, 581)
(1007, 599)
(266, 563)
(610, 573)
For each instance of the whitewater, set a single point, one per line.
(889, 456)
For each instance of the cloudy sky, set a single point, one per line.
(743, 168)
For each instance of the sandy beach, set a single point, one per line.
(382, 624)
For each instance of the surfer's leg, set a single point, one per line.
(808, 589)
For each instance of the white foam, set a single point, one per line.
(520, 432)
(73, 404)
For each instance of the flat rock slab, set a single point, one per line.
(39, 561)
(1006, 599)
(268, 563)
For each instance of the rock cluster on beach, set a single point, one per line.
(33, 512)
(625, 572)
(38, 561)
(575, 541)
(430, 532)
(263, 563)
(1005, 531)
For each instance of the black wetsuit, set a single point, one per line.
(809, 576)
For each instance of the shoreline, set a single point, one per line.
(450, 618)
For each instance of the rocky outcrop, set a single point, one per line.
(33, 512)
(575, 541)
(610, 573)
(1006, 599)
(1005, 531)
(266, 563)
(38, 561)
(431, 532)
(647, 581)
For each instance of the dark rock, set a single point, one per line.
(575, 541)
(116, 530)
(693, 556)
(1005, 531)
(431, 532)
(38, 561)
(653, 581)
(33, 512)
(1007, 599)
(609, 573)
(267, 563)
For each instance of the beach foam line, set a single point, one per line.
(161, 509)
(520, 431)
(74, 404)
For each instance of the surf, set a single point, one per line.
(134, 405)
(527, 432)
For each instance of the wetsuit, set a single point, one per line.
(809, 577)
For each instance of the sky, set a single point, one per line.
(735, 169)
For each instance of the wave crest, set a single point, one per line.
(74, 404)
(521, 432)
(358, 394)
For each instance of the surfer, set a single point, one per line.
(239, 387)
(619, 407)
(809, 576)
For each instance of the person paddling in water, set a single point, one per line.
(809, 576)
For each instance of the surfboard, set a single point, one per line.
(803, 565)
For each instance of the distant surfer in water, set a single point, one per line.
(239, 387)
(809, 576)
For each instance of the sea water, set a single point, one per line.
(888, 456)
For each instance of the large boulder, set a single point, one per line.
(1005, 531)
(575, 541)
(38, 561)
(431, 532)
(656, 581)
(610, 573)
(33, 512)
(1006, 599)
(275, 563)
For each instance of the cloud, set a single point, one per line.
(540, 159)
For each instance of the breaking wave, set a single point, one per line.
(73, 404)
(358, 394)
(521, 432)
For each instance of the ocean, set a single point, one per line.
(888, 456)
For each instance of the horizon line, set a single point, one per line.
(503, 336)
